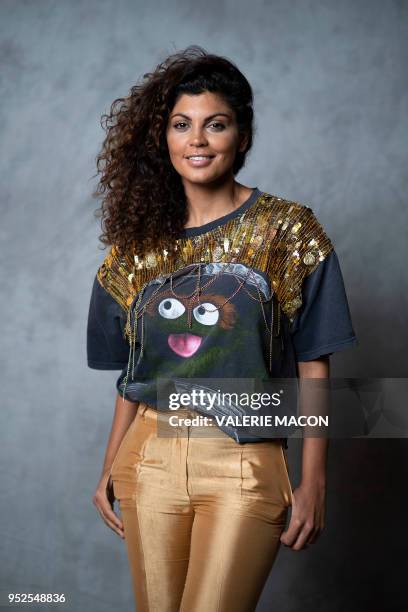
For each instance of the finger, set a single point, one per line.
(312, 538)
(289, 536)
(114, 521)
(301, 541)
(112, 525)
(106, 508)
(114, 528)
(110, 518)
(315, 534)
(316, 528)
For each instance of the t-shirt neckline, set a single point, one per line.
(202, 229)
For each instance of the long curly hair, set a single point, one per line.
(144, 205)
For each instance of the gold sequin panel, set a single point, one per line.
(279, 237)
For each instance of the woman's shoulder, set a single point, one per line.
(300, 245)
(293, 218)
(115, 275)
(283, 204)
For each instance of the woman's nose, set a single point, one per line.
(198, 137)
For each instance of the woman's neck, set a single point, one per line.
(206, 203)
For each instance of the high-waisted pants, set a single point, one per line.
(202, 515)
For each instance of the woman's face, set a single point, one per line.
(203, 125)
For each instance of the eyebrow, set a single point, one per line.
(206, 119)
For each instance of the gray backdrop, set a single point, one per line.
(331, 110)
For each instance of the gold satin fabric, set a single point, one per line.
(202, 514)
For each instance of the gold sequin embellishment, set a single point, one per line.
(279, 237)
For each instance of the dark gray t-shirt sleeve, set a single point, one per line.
(323, 324)
(107, 348)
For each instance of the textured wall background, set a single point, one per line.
(331, 105)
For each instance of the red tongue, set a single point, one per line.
(185, 344)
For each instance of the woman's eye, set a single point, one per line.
(169, 308)
(218, 126)
(206, 313)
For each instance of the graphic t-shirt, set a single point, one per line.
(246, 296)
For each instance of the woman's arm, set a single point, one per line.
(103, 497)
(314, 452)
(124, 414)
(308, 509)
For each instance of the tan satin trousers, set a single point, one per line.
(202, 514)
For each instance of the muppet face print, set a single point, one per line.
(201, 321)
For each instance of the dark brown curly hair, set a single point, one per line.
(144, 205)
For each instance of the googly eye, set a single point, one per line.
(206, 313)
(170, 308)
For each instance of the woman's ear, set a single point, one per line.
(243, 142)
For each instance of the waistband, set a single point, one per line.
(150, 412)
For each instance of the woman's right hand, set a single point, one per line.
(103, 499)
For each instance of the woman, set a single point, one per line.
(205, 278)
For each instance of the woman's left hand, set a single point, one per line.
(307, 518)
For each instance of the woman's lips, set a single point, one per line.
(184, 344)
(199, 162)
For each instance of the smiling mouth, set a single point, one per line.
(201, 161)
(199, 156)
